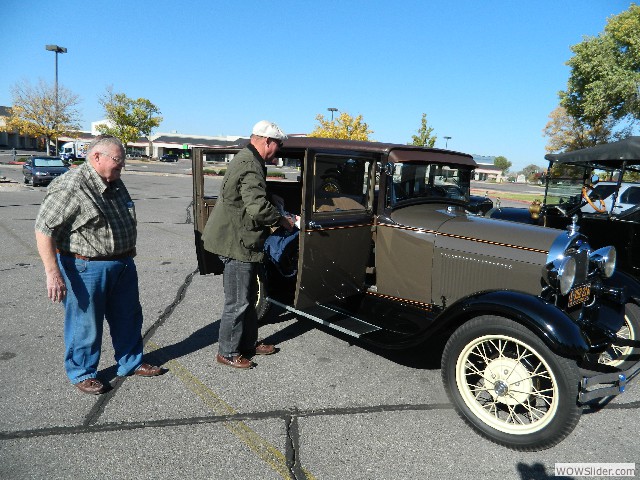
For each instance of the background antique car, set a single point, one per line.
(41, 170)
(388, 256)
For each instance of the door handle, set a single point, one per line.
(313, 224)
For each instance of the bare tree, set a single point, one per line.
(35, 111)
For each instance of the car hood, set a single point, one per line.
(51, 169)
(501, 238)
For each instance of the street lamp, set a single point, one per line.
(57, 49)
(446, 141)
(331, 109)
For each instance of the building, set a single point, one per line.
(486, 171)
(14, 139)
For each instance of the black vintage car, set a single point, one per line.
(388, 255)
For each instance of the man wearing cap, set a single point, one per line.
(236, 231)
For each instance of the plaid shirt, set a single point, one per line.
(86, 216)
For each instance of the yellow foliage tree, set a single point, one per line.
(36, 113)
(345, 127)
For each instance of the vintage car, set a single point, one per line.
(387, 256)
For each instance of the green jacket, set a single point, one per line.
(242, 215)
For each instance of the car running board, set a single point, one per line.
(332, 317)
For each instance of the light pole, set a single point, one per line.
(57, 49)
(332, 109)
(446, 141)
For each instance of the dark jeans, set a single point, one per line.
(239, 322)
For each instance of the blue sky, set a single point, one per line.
(486, 73)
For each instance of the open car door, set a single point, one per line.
(336, 235)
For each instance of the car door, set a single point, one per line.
(336, 231)
(27, 170)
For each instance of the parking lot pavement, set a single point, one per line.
(322, 407)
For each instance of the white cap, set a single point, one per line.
(265, 128)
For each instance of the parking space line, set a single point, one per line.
(265, 450)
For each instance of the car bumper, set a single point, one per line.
(600, 385)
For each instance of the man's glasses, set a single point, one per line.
(119, 161)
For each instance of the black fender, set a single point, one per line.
(621, 279)
(554, 327)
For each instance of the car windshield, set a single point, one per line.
(47, 162)
(428, 181)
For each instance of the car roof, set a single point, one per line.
(397, 152)
(606, 156)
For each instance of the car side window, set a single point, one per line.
(631, 195)
(340, 183)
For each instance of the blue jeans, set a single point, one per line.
(239, 322)
(97, 290)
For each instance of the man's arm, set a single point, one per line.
(56, 288)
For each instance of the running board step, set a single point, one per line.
(332, 317)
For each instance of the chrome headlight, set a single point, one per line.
(561, 273)
(605, 260)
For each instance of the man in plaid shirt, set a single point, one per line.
(86, 236)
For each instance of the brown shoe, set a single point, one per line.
(147, 370)
(264, 349)
(235, 361)
(92, 386)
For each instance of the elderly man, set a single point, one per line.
(236, 231)
(86, 236)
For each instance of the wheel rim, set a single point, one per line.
(507, 384)
(615, 356)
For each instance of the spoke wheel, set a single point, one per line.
(620, 357)
(506, 383)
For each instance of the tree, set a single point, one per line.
(36, 113)
(567, 133)
(128, 118)
(424, 138)
(605, 74)
(345, 127)
(531, 171)
(502, 163)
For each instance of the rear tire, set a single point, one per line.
(509, 386)
(624, 357)
(262, 305)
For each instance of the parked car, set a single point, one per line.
(41, 170)
(169, 157)
(525, 315)
(608, 211)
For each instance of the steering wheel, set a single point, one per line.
(585, 195)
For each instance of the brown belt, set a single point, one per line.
(107, 258)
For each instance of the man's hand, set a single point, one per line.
(289, 222)
(56, 289)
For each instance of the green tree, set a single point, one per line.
(36, 113)
(502, 163)
(128, 118)
(530, 171)
(605, 74)
(424, 137)
(345, 127)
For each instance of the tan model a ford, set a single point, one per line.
(388, 253)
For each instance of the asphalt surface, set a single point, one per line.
(322, 407)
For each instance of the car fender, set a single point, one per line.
(554, 327)
(621, 279)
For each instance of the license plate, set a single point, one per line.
(579, 295)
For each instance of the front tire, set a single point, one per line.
(506, 384)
